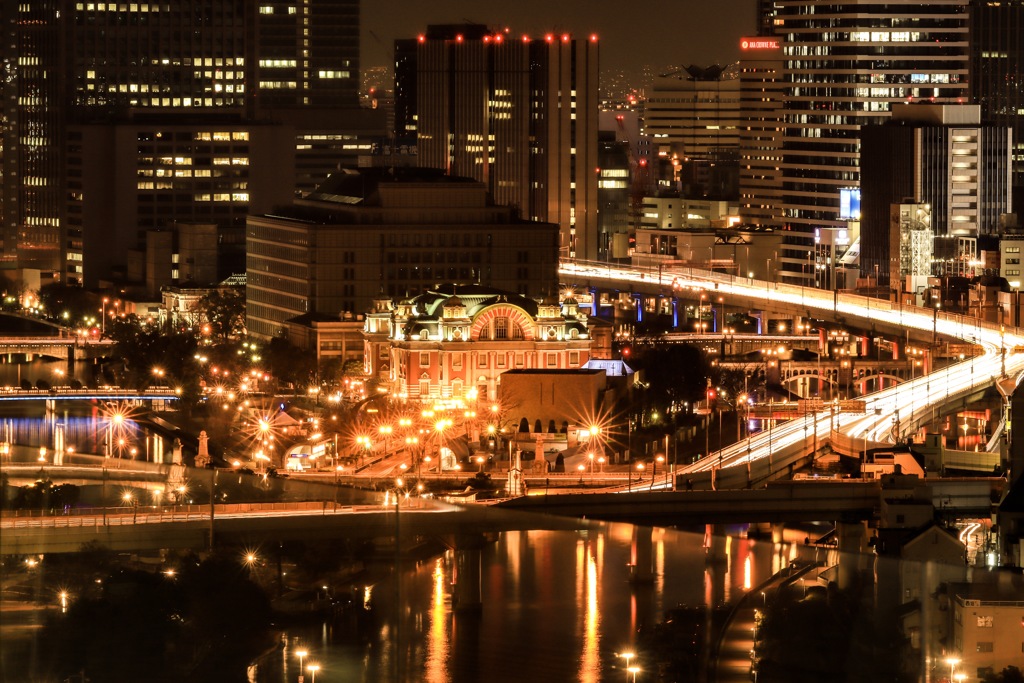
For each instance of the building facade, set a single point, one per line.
(127, 179)
(516, 113)
(693, 119)
(997, 73)
(987, 626)
(940, 155)
(846, 64)
(397, 232)
(454, 339)
(761, 92)
(112, 64)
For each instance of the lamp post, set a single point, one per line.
(952, 661)
(129, 499)
(301, 654)
(313, 668)
(628, 656)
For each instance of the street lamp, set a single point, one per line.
(313, 668)
(129, 499)
(301, 654)
(654, 467)
(627, 656)
(952, 661)
(634, 670)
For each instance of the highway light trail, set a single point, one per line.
(888, 411)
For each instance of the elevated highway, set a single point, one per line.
(799, 501)
(890, 414)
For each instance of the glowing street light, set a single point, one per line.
(313, 668)
(953, 662)
(628, 656)
(301, 654)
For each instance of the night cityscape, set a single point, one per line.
(391, 341)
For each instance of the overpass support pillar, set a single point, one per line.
(641, 556)
(853, 557)
(466, 586)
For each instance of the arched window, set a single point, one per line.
(517, 331)
(501, 328)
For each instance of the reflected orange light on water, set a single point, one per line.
(590, 659)
(436, 669)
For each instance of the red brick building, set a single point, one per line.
(443, 343)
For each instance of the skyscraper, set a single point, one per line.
(997, 73)
(161, 65)
(32, 141)
(761, 95)
(943, 157)
(692, 117)
(514, 112)
(846, 63)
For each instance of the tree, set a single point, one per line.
(1010, 674)
(143, 349)
(68, 304)
(288, 363)
(674, 374)
(221, 314)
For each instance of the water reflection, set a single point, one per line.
(84, 429)
(556, 606)
(437, 640)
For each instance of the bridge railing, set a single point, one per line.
(664, 276)
(147, 514)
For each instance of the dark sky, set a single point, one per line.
(632, 32)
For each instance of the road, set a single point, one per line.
(889, 412)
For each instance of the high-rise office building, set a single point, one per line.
(155, 65)
(997, 73)
(761, 94)
(846, 64)
(693, 119)
(31, 139)
(516, 113)
(765, 17)
(943, 157)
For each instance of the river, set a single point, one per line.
(557, 606)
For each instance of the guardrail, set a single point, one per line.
(149, 514)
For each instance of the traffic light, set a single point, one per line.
(711, 395)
